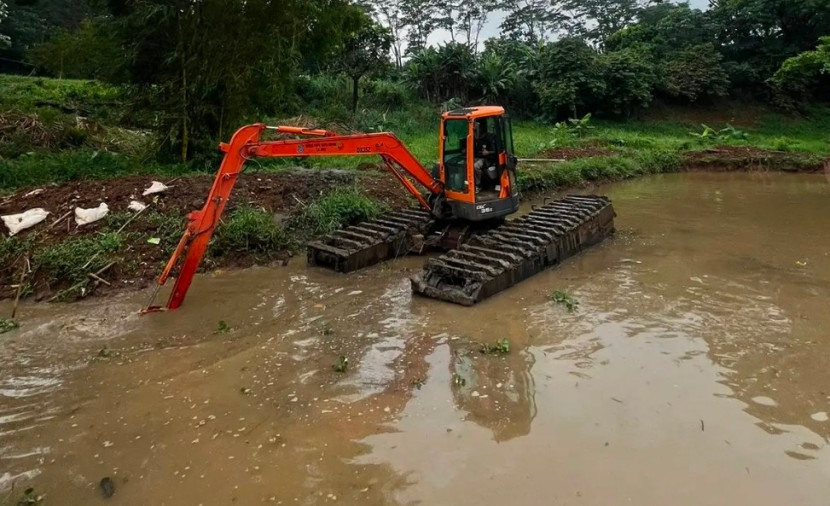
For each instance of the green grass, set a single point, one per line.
(342, 206)
(251, 230)
(43, 168)
(35, 94)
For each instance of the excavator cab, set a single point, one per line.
(477, 165)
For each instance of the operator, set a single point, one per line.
(484, 146)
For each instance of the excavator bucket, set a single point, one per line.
(515, 251)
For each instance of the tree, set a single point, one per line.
(5, 40)
(363, 52)
(597, 20)
(464, 19)
(392, 14)
(495, 76)
(805, 76)
(629, 80)
(420, 17)
(205, 65)
(569, 79)
(86, 53)
(694, 73)
(532, 20)
(758, 35)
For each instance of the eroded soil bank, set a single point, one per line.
(692, 372)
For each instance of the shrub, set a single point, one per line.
(249, 229)
(343, 206)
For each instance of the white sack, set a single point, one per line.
(17, 222)
(87, 216)
(155, 187)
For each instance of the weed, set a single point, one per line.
(501, 347)
(7, 325)
(342, 206)
(71, 260)
(564, 298)
(248, 229)
(29, 498)
(222, 327)
(341, 365)
(458, 380)
(728, 133)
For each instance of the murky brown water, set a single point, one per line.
(694, 371)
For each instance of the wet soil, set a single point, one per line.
(692, 372)
(748, 158)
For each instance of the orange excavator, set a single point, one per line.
(474, 182)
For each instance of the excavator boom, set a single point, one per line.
(246, 144)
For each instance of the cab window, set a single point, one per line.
(455, 154)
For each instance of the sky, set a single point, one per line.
(491, 29)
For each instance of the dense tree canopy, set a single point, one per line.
(197, 68)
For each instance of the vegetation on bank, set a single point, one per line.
(247, 235)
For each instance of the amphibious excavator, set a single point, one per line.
(462, 212)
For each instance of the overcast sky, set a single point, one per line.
(491, 29)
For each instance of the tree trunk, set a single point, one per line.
(355, 81)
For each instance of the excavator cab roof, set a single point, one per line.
(475, 112)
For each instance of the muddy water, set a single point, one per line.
(694, 371)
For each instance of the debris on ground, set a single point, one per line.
(107, 486)
(341, 365)
(136, 206)
(30, 498)
(87, 216)
(27, 219)
(155, 187)
(7, 325)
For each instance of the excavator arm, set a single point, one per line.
(246, 144)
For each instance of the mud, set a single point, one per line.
(693, 371)
(748, 158)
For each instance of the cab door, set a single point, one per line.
(507, 158)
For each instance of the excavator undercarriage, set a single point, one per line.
(481, 261)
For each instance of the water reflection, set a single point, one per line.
(497, 393)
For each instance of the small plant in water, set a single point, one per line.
(498, 348)
(30, 498)
(341, 365)
(7, 325)
(564, 298)
(223, 327)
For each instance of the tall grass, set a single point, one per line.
(249, 230)
(342, 206)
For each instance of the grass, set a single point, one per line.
(40, 168)
(71, 260)
(342, 206)
(251, 230)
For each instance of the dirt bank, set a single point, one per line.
(282, 194)
(748, 158)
